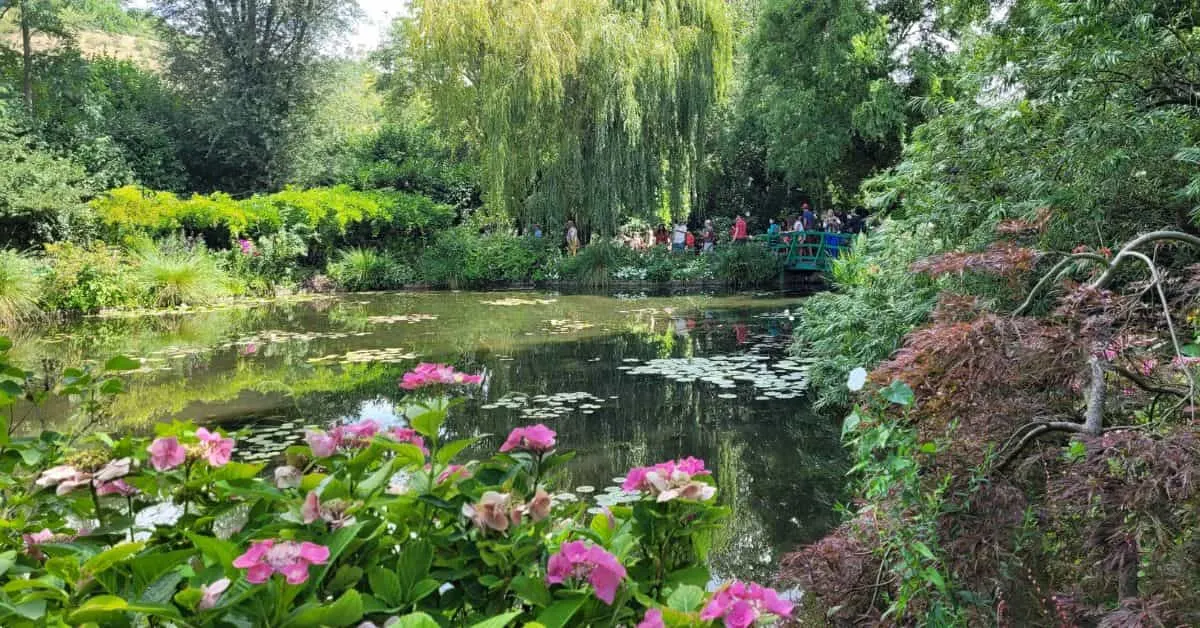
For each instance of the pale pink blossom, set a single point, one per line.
(741, 604)
(116, 487)
(216, 449)
(428, 374)
(454, 472)
(322, 445)
(333, 512)
(577, 561)
(652, 619)
(539, 507)
(288, 476)
(670, 480)
(114, 469)
(66, 477)
(536, 438)
(410, 436)
(211, 593)
(289, 558)
(166, 453)
(35, 540)
(492, 512)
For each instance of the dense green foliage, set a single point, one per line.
(592, 110)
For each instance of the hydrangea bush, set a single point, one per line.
(363, 526)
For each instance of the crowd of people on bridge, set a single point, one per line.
(679, 238)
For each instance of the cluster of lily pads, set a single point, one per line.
(565, 326)
(548, 406)
(387, 355)
(514, 301)
(401, 318)
(783, 379)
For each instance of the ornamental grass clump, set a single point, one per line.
(365, 523)
(20, 289)
(174, 275)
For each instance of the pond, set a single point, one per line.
(626, 380)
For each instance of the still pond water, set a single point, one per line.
(625, 380)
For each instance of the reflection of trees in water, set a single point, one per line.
(779, 469)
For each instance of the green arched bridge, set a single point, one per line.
(807, 250)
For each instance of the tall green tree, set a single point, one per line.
(247, 69)
(590, 109)
(32, 17)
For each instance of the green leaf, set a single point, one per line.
(560, 613)
(345, 577)
(347, 610)
(385, 585)
(237, 471)
(5, 343)
(217, 551)
(923, 550)
(422, 590)
(851, 423)
(1190, 350)
(499, 621)
(104, 606)
(104, 560)
(377, 479)
(415, 560)
(7, 559)
(415, 620)
(338, 544)
(31, 609)
(121, 363)
(898, 393)
(454, 447)
(112, 386)
(696, 575)
(163, 589)
(428, 423)
(686, 598)
(532, 590)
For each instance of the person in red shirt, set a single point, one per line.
(661, 236)
(740, 232)
(689, 242)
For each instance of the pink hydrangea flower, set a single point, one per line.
(409, 435)
(429, 374)
(673, 479)
(211, 593)
(350, 436)
(322, 445)
(333, 512)
(289, 558)
(492, 512)
(653, 619)
(536, 438)
(215, 448)
(288, 476)
(455, 472)
(741, 604)
(35, 540)
(577, 561)
(114, 469)
(116, 487)
(66, 477)
(166, 453)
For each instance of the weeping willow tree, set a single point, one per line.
(584, 109)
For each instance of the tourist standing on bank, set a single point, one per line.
(708, 237)
(740, 232)
(679, 237)
(572, 238)
(807, 218)
(661, 236)
(773, 228)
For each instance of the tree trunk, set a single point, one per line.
(26, 61)
(1093, 422)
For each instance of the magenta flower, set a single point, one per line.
(408, 435)
(323, 445)
(33, 541)
(577, 561)
(216, 449)
(210, 593)
(741, 604)
(653, 619)
(116, 487)
(429, 374)
(670, 480)
(246, 246)
(536, 438)
(289, 558)
(166, 453)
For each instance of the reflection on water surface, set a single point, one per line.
(626, 381)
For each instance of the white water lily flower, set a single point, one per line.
(858, 379)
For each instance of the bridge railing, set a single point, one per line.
(807, 250)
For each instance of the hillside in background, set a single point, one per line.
(101, 28)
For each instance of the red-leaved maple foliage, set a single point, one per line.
(1106, 536)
